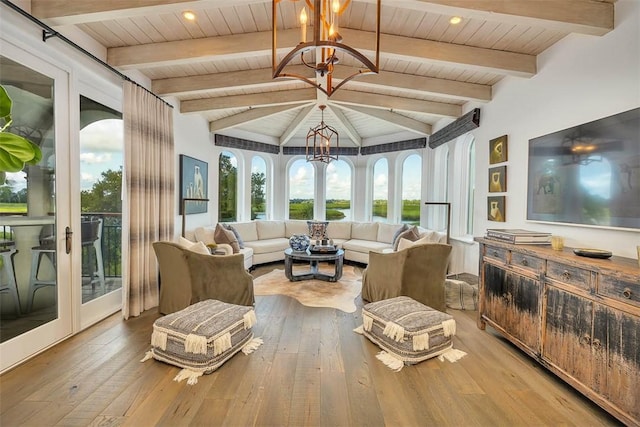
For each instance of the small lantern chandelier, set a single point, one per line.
(319, 140)
(320, 54)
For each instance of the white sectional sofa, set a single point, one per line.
(265, 240)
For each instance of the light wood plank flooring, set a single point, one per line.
(312, 370)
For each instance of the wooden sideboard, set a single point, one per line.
(577, 316)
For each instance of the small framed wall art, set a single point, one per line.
(496, 208)
(498, 179)
(498, 152)
(194, 175)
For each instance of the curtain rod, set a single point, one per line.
(48, 32)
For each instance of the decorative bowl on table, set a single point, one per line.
(299, 242)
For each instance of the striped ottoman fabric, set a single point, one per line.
(407, 331)
(201, 337)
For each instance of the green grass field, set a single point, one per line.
(304, 209)
(14, 208)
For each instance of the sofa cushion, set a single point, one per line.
(434, 236)
(339, 230)
(364, 231)
(205, 234)
(270, 229)
(269, 245)
(222, 235)
(365, 246)
(294, 226)
(248, 230)
(387, 232)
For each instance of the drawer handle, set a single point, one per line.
(566, 275)
(495, 253)
(585, 340)
(627, 293)
(597, 344)
(525, 262)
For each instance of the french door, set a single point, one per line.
(36, 308)
(61, 218)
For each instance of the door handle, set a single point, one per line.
(67, 239)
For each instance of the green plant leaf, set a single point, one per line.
(15, 151)
(5, 104)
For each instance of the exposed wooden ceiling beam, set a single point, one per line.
(396, 103)
(351, 132)
(296, 123)
(586, 17)
(262, 77)
(393, 118)
(248, 117)
(259, 43)
(249, 100)
(65, 12)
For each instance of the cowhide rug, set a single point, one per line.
(313, 293)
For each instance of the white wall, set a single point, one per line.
(580, 79)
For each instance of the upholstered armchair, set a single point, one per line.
(418, 272)
(187, 277)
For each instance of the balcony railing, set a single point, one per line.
(111, 241)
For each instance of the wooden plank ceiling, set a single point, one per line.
(219, 65)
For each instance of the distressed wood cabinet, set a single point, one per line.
(579, 317)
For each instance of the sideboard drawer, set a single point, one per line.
(527, 262)
(570, 275)
(497, 254)
(620, 290)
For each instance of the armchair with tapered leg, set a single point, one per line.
(418, 272)
(187, 277)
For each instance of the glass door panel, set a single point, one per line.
(35, 309)
(101, 149)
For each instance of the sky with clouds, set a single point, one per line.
(339, 181)
(101, 149)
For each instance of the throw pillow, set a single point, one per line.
(396, 235)
(411, 235)
(197, 247)
(235, 232)
(405, 243)
(222, 235)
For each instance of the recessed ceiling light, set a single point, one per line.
(455, 20)
(189, 15)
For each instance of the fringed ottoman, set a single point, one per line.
(408, 332)
(201, 337)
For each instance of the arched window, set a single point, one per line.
(338, 191)
(258, 188)
(471, 188)
(301, 190)
(380, 190)
(411, 189)
(227, 187)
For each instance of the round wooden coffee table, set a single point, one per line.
(314, 258)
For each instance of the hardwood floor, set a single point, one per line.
(311, 370)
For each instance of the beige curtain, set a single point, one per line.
(149, 200)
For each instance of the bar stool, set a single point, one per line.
(46, 249)
(92, 243)
(7, 251)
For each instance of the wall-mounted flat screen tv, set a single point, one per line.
(588, 174)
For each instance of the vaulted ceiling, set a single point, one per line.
(219, 65)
